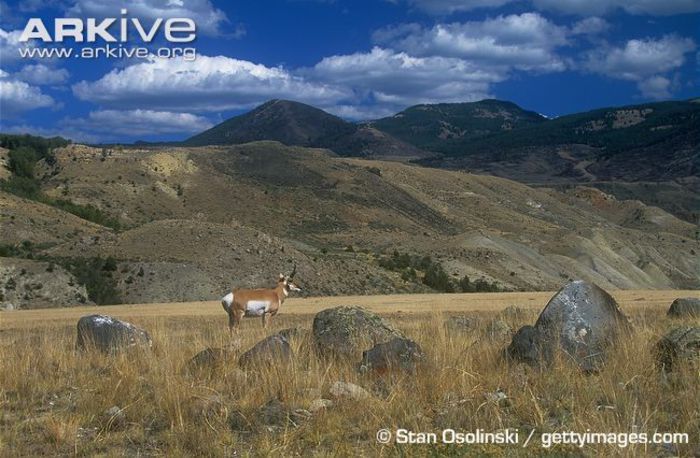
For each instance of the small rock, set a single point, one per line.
(679, 346)
(685, 307)
(320, 405)
(274, 348)
(397, 354)
(345, 390)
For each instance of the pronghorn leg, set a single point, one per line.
(235, 322)
(265, 318)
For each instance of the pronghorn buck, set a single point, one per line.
(257, 302)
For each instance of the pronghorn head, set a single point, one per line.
(288, 281)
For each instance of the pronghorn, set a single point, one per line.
(257, 302)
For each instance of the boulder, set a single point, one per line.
(347, 331)
(679, 346)
(397, 354)
(685, 307)
(272, 349)
(525, 346)
(580, 322)
(109, 334)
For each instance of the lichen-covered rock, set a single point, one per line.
(580, 322)
(679, 346)
(398, 354)
(685, 307)
(107, 334)
(347, 331)
(271, 350)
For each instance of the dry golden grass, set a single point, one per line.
(53, 400)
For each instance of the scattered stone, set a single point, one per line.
(581, 321)
(211, 358)
(680, 346)
(270, 350)
(109, 334)
(345, 390)
(318, 405)
(685, 307)
(348, 330)
(397, 354)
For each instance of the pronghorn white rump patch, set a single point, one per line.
(227, 301)
(256, 308)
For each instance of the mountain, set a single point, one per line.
(447, 126)
(195, 221)
(298, 124)
(649, 152)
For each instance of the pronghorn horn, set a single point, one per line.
(294, 271)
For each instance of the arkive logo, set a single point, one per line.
(175, 30)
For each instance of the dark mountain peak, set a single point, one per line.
(285, 121)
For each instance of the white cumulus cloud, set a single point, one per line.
(40, 74)
(645, 61)
(17, 97)
(208, 18)
(206, 84)
(138, 124)
(526, 41)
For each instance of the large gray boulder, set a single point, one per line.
(580, 322)
(679, 346)
(347, 331)
(685, 307)
(271, 350)
(398, 354)
(109, 334)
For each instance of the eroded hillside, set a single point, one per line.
(195, 221)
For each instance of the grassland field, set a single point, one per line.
(53, 400)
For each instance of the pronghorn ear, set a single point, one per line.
(281, 276)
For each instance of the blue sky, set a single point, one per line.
(357, 59)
